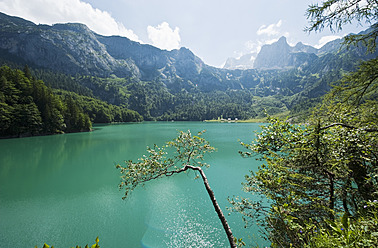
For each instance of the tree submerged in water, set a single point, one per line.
(189, 151)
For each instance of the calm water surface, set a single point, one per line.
(63, 189)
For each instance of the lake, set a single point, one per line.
(63, 189)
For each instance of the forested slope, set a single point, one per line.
(29, 107)
(174, 85)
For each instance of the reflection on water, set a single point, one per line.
(181, 216)
(63, 189)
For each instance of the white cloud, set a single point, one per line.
(272, 29)
(325, 39)
(62, 11)
(164, 37)
(253, 47)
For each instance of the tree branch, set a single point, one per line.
(188, 149)
(226, 227)
(349, 126)
(210, 192)
(164, 173)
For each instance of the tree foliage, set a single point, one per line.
(319, 181)
(349, 232)
(311, 175)
(189, 151)
(29, 107)
(335, 14)
(357, 87)
(100, 111)
(188, 154)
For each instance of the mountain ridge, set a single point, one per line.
(74, 49)
(160, 83)
(280, 55)
(115, 55)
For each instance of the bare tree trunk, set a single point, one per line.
(226, 227)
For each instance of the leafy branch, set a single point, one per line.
(188, 154)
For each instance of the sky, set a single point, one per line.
(214, 30)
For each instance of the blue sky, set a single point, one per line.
(213, 29)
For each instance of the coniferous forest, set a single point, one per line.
(29, 107)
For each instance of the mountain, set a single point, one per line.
(74, 49)
(245, 62)
(176, 84)
(280, 55)
(300, 47)
(275, 55)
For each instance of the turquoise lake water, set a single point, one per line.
(63, 189)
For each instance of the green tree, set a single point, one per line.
(6, 115)
(311, 175)
(75, 119)
(335, 14)
(319, 177)
(29, 107)
(349, 232)
(27, 72)
(27, 118)
(189, 151)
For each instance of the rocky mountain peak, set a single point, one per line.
(75, 27)
(300, 47)
(281, 44)
(278, 55)
(282, 40)
(273, 55)
(6, 20)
